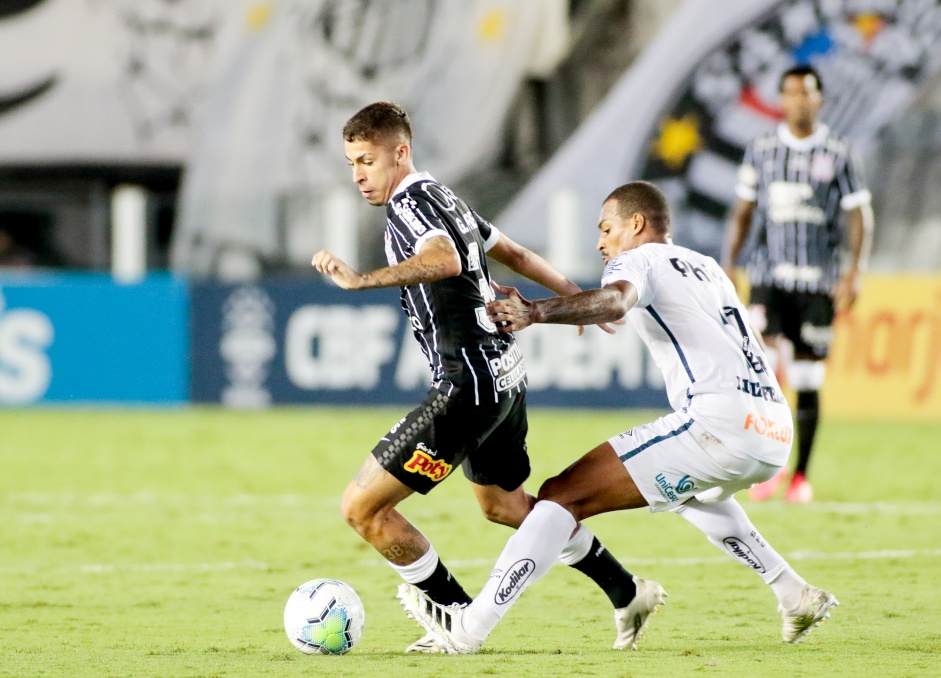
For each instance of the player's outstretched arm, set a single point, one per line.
(530, 265)
(736, 235)
(859, 222)
(602, 305)
(437, 260)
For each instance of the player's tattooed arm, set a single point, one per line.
(602, 305)
(437, 260)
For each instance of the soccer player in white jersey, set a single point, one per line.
(474, 417)
(730, 428)
(799, 184)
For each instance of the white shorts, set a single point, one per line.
(674, 459)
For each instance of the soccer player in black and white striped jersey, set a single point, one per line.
(799, 184)
(475, 412)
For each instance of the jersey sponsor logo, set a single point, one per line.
(509, 369)
(666, 489)
(755, 389)
(788, 202)
(743, 552)
(422, 464)
(685, 484)
(405, 210)
(769, 428)
(513, 580)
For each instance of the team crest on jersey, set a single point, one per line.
(822, 168)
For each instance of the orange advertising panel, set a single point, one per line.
(886, 357)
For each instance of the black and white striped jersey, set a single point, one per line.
(800, 187)
(449, 317)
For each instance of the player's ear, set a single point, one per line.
(638, 221)
(402, 153)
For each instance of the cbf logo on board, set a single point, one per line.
(25, 370)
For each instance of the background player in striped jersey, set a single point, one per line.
(475, 412)
(797, 184)
(730, 427)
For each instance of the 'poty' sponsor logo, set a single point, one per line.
(769, 428)
(742, 551)
(513, 580)
(423, 464)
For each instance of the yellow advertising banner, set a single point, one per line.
(885, 361)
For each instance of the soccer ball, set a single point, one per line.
(324, 616)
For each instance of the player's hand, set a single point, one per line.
(337, 270)
(845, 292)
(511, 314)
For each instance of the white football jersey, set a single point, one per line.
(689, 316)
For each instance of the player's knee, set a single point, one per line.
(554, 490)
(510, 513)
(356, 511)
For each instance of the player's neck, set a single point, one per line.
(801, 130)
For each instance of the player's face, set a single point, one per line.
(615, 233)
(800, 100)
(377, 168)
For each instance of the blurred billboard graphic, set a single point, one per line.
(295, 342)
(681, 116)
(107, 81)
(885, 361)
(80, 338)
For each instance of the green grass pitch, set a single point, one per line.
(165, 543)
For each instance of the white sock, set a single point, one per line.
(727, 526)
(527, 556)
(421, 569)
(577, 547)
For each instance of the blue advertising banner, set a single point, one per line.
(301, 341)
(82, 338)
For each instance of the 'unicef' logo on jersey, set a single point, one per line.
(25, 370)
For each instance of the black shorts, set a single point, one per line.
(804, 318)
(488, 440)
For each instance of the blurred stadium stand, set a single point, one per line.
(174, 60)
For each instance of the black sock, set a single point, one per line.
(443, 588)
(608, 573)
(808, 413)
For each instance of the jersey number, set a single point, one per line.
(756, 363)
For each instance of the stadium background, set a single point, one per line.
(213, 127)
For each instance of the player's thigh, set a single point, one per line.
(814, 332)
(499, 456)
(425, 446)
(596, 483)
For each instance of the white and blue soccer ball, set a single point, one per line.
(324, 616)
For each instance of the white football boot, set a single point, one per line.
(630, 620)
(443, 622)
(813, 609)
(427, 644)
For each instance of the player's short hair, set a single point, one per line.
(643, 197)
(379, 122)
(800, 71)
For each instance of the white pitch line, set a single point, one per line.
(796, 555)
(112, 568)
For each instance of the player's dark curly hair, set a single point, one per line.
(643, 197)
(378, 122)
(800, 72)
